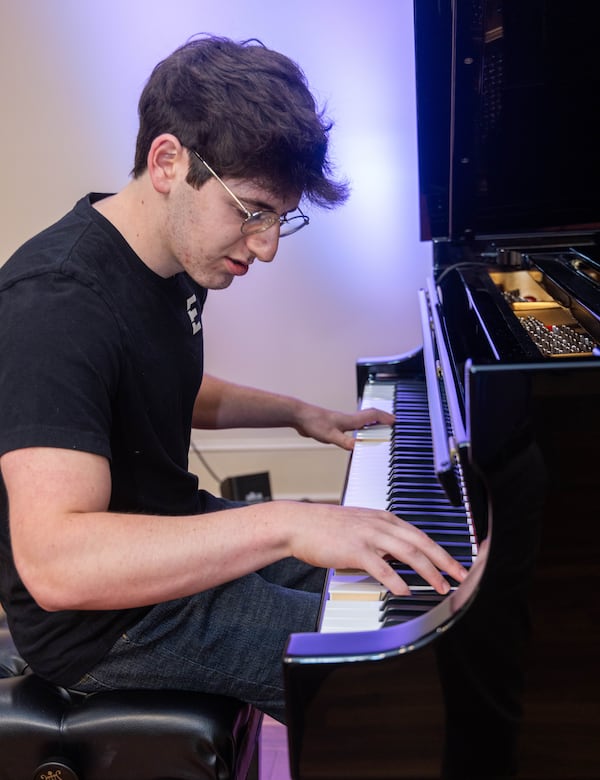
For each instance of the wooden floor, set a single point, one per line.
(273, 751)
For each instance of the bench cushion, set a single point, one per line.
(127, 735)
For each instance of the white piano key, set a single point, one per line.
(352, 616)
(367, 477)
(379, 396)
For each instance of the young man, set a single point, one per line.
(115, 570)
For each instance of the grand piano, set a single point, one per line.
(496, 446)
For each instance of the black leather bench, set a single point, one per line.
(50, 733)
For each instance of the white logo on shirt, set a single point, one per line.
(193, 314)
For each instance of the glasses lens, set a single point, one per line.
(293, 224)
(259, 221)
(263, 220)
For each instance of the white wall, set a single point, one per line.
(70, 75)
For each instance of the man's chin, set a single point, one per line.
(221, 283)
(214, 281)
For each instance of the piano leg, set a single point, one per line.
(481, 659)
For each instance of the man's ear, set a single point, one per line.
(165, 160)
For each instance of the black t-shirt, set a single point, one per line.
(100, 354)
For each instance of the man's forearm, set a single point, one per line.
(222, 404)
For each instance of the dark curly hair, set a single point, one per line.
(247, 110)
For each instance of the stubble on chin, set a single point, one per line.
(212, 281)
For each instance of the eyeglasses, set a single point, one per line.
(259, 221)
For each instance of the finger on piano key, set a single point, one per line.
(416, 582)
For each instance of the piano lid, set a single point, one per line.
(508, 107)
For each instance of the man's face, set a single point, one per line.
(203, 229)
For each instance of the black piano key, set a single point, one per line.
(408, 605)
(406, 441)
(433, 502)
(423, 487)
(404, 475)
(419, 512)
(398, 477)
(455, 548)
(432, 522)
(414, 580)
(444, 536)
(413, 458)
(409, 460)
(397, 620)
(396, 609)
(406, 510)
(400, 616)
(413, 441)
(414, 598)
(446, 516)
(402, 443)
(409, 481)
(437, 533)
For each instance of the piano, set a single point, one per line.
(495, 450)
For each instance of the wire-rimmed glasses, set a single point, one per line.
(259, 221)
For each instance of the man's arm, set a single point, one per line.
(222, 404)
(74, 554)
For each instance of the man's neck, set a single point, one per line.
(132, 211)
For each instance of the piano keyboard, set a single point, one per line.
(393, 469)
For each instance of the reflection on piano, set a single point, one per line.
(494, 450)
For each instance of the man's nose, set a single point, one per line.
(264, 245)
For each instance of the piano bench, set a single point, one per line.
(50, 733)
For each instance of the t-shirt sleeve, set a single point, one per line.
(59, 365)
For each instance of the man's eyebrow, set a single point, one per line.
(257, 205)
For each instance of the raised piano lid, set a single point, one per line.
(508, 118)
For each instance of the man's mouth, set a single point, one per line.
(236, 267)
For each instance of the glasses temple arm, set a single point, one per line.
(222, 183)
